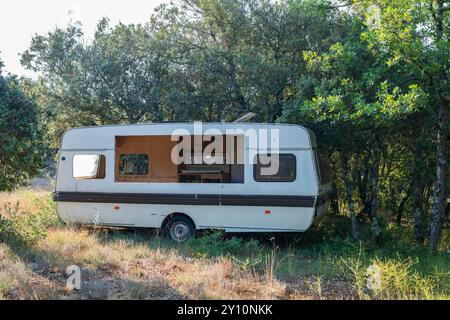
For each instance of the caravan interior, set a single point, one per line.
(133, 153)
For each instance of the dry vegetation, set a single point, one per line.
(36, 249)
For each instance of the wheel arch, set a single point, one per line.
(176, 214)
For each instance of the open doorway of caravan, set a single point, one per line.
(148, 159)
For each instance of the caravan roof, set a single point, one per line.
(102, 137)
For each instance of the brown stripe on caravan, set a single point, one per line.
(188, 199)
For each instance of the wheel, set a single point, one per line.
(179, 229)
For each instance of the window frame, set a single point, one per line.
(293, 179)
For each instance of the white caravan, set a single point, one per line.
(126, 176)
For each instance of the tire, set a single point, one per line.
(179, 229)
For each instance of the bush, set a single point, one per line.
(46, 211)
(18, 228)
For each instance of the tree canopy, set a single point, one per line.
(20, 138)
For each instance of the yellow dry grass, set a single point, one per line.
(27, 198)
(126, 266)
(117, 269)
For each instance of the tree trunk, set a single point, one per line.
(418, 209)
(362, 181)
(418, 183)
(401, 207)
(374, 190)
(348, 194)
(440, 190)
(438, 208)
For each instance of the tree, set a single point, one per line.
(20, 148)
(194, 60)
(122, 76)
(416, 34)
(349, 99)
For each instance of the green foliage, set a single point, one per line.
(370, 101)
(214, 244)
(21, 149)
(351, 87)
(18, 228)
(415, 37)
(194, 60)
(46, 212)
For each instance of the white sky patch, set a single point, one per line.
(74, 13)
(21, 19)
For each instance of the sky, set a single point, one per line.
(21, 19)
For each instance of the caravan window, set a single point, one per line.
(89, 166)
(133, 164)
(286, 170)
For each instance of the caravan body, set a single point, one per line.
(125, 176)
